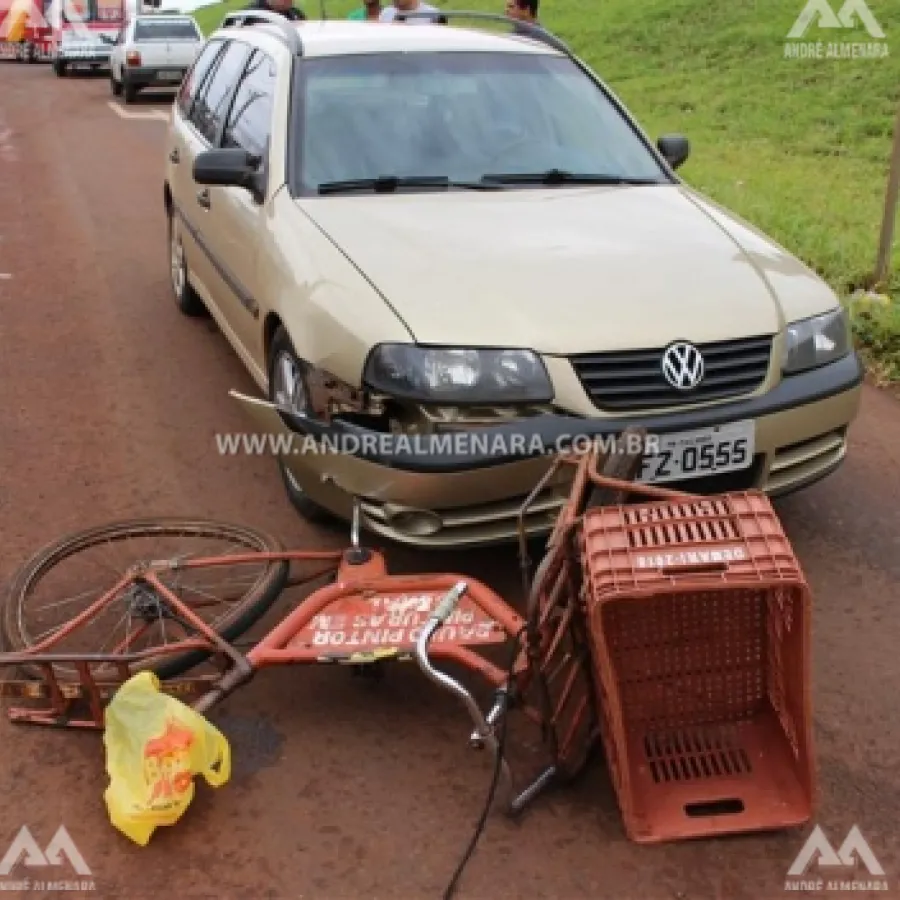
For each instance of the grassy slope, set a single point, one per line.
(798, 146)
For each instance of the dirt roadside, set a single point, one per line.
(341, 790)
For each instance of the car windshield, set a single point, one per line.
(461, 116)
(165, 30)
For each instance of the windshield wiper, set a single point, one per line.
(558, 176)
(387, 184)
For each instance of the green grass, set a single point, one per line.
(799, 147)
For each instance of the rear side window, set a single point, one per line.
(193, 81)
(250, 120)
(209, 112)
(165, 30)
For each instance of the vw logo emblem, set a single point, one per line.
(682, 366)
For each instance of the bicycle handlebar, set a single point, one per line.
(484, 731)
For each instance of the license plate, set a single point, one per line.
(169, 76)
(695, 454)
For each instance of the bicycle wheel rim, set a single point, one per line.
(241, 615)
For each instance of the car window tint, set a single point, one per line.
(165, 30)
(193, 80)
(250, 120)
(211, 107)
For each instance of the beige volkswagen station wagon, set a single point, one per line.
(410, 234)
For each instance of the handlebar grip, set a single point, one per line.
(449, 601)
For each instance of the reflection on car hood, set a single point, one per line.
(559, 270)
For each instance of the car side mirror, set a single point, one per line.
(675, 149)
(231, 167)
(107, 39)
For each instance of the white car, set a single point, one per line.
(153, 51)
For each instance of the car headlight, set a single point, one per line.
(458, 375)
(817, 341)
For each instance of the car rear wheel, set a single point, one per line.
(130, 92)
(186, 298)
(288, 388)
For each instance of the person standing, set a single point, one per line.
(409, 6)
(283, 7)
(523, 11)
(368, 12)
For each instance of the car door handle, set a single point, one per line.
(173, 155)
(203, 198)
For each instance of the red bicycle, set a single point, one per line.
(199, 585)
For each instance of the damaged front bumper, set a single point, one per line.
(467, 488)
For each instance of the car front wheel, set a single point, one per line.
(288, 389)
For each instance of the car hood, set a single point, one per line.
(561, 271)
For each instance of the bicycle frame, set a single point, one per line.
(367, 616)
(428, 618)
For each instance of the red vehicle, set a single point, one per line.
(25, 32)
(83, 32)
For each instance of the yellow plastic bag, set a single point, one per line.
(155, 745)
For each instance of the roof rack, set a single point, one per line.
(537, 32)
(288, 31)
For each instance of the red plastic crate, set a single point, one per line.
(699, 620)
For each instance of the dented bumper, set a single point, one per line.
(441, 494)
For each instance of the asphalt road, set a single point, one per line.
(342, 789)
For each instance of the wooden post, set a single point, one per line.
(883, 262)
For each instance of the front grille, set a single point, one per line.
(633, 380)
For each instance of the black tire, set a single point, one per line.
(186, 298)
(114, 86)
(311, 511)
(130, 92)
(59, 67)
(243, 616)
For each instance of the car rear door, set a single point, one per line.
(184, 144)
(167, 46)
(185, 45)
(146, 41)
(236, 231)
(205, 210)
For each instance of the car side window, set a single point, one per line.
(193, 80)
(211, 108)
(250, 119)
